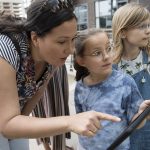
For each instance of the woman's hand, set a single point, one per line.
(88, 123)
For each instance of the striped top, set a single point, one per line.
(8, 51)
(24, 66)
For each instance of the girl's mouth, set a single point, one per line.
(106, 65)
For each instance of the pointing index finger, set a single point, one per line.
(103, 116)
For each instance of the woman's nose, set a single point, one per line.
(70, 48)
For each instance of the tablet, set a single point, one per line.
(127, 132)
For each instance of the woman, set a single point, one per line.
(26, 51)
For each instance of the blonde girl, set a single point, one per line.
(131, 37)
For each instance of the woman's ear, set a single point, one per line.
(80, 60)
(34, 39)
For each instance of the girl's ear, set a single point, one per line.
(34, 39)
(123, 34)
(80, 61)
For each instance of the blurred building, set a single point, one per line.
(27, 3)
(12, 7)
(145, 3)
(98, 13)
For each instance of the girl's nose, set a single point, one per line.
(105, 55)
(147, 30)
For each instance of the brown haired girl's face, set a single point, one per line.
(56, 46)
(98, 54)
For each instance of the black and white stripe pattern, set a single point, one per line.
(8, 51)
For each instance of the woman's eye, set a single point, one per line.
(61, 42)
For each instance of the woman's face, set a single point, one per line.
(56, 46)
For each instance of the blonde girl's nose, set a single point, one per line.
(147, 30)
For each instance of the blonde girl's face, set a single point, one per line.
(56, 46)
(98, 54)
(138, 36)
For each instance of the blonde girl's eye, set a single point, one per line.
(109, 49)
(144, 26)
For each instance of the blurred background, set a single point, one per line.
(90, 13)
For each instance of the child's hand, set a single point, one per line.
(143, 106)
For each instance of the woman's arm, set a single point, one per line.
(15, 125)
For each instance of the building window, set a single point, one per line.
(103, 13)
(104, 10)
(81, 12)
(121, 3)
(5, 3)
(6, 7)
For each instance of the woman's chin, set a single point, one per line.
(57, 64)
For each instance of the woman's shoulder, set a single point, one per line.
(4, 38)
(12, 39)
(8, 51)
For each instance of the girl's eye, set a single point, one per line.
(109, 49)
(74, 38)
(142, 26)
(96, 53)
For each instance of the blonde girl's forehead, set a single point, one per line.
(129, 16)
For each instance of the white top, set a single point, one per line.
(133, 66)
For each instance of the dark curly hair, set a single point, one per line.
(42, 17)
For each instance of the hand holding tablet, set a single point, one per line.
(127, 132)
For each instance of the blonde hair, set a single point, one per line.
(127, 17)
